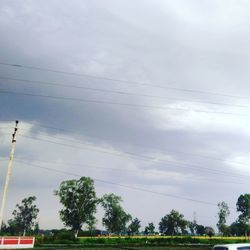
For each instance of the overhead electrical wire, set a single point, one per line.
(131, 82)
(85, 146)
(124, 186)
(129, 170)
(22, 66)
(144, 158)
(119, 103)
(120, 92)
(100, 138)
(115, 169)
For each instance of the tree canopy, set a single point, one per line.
(150, 229)
(115, 218)
(79, 201)
(243, 206)
(134, 226)
(222, 216)
(24, 215)
(173, 223)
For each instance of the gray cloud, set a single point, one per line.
(184, 44)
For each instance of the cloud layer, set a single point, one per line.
(185, 55)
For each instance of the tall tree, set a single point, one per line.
(237, 229)
(24, 215)
(192, 225)
(134, 226)
(79, 201)
(200, 229)
(173, 223)
(150, 229)
(115, 218)
(222, 216)
(243, 206)
(209, 231)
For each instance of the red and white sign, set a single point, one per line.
(14, 242)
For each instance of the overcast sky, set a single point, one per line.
(177, 122)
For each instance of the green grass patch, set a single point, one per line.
(175, 243)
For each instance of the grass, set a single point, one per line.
(136, 243)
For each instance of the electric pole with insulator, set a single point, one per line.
(8, 175)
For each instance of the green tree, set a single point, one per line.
(173, 224)
(115, 218)
(192, 225)
(4, 229)
(79, 201)
(243, 206)
(222, 216)
(209, 231)
(134, 226)
(24, 216)
(237, 229)
(150, 229)
(200, 229)
(91, 224)
(36, 229)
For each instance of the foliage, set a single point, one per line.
(79, 202)
(150, 229)
(237, 229)
(209, 231)
(36, 229)
(24, 216)
(4, 229)
(192, 225)
(134, 226)
(157, 241)
(173, 224)
(14, 227)
(115, 218)
(91, 224)
(243, 206)
(226, 230)
(200, 229)
(222, 215)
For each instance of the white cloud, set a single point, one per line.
(239, 162)
(165, 175)
(193, 120)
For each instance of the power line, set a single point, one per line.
(120, 92)
(91, 144)
(134, 155)
(124, 170)
(145, 158)
(97, 137)
(100, 138)
(21, 66)
(131, 154)
(119, 104)
(124, 186)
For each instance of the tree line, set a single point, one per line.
(79, 205)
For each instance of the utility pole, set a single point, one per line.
(8, 175)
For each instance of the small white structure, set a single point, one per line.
(240, 246)
(15, 242)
